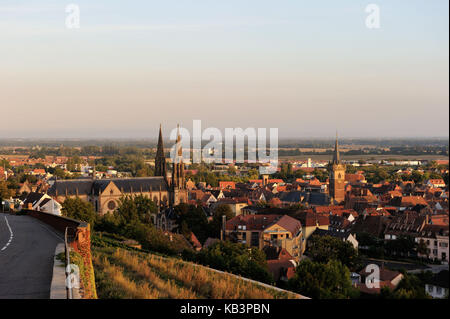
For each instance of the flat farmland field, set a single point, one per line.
(327, 157)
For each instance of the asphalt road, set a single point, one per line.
(27, 247)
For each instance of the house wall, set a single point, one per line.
(436, 248)
(397, 280)
(278, 236)
(443, 243)
(238, 208)
(310, 229)
(245, 235)
(353, 241)
(436, 292)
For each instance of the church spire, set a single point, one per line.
(336, 158)
(178, 173)
(180, 150)
(160, 160)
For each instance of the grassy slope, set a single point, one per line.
(121, 273)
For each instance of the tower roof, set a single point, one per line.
(160, 159)
(336, 157)
(160, 149)
(179, 148)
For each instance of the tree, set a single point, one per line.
(322, 281)
(411, 287)
(5, 192)
(376, 174)
(237, 259)
(322, 249)
(58, 172)
(191, 218)
(403, 245)
(299, 173)
(417, 177)
(136, 209)
(232, 170)
(79, 209)
(320, 174)
(5, 163)
(445, 178)
(216, 223)
(366, 239)
(132, 219)
(350, 169)
(422, 248)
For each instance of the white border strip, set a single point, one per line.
(10, 237)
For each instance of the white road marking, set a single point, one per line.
(10, 237)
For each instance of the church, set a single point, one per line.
(165, 189)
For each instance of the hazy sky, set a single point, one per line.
(305, 67)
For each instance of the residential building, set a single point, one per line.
(370, 284)
(436, 238)
(408, 224)
(437, 287)
(259, 231)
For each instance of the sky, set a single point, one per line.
(308, 68)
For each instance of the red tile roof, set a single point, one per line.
(408, 201)
(290, 224)
(226, 184)
(364, 289)
(354, 178)
(252, 222)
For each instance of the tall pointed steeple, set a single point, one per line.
(336, 158)
(160, 159)
(178, 165)
(180, 149)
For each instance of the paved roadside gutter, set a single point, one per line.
(58, 286)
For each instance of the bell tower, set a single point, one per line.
(337, 177)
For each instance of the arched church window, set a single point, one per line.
(111, 205)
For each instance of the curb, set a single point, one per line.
(58, 286)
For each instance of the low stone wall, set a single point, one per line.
(60, 223)
(79, 239)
